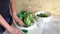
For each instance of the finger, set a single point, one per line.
(19, 21)
(21, 32)
(14, 21)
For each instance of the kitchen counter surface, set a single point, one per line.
(51, 27)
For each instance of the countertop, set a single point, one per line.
(51, 27)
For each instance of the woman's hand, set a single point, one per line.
(18, 20)
(14, 14)
(8, 27)
(15, 31)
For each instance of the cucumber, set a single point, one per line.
(27, 21)
(31, 17)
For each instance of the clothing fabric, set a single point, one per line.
(5, 12)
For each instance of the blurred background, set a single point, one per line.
(52, 6)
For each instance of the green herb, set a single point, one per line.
(20, 15)
(42, 15)
(25, 31)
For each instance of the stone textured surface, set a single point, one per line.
(52, 27)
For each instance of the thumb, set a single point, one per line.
(14, 21)
(21, 23)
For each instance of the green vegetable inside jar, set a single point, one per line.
(42, 15)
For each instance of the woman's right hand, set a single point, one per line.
(15, 31)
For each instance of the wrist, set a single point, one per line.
(9, 28)
(14, 13)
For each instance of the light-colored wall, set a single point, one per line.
(52, 6)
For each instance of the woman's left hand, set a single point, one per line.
(14, 14)
(18, 20)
